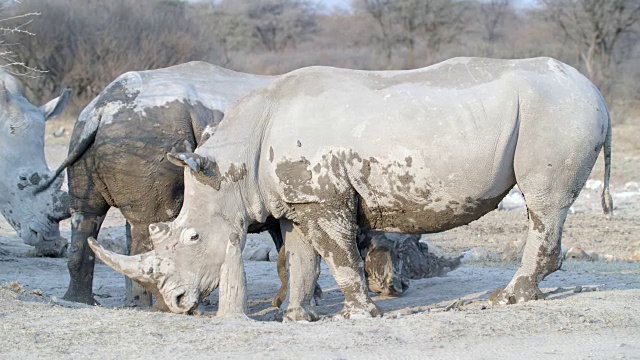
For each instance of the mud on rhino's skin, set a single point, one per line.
(468, 126)
(33, 215)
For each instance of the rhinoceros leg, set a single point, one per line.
(81, 259)
(550, 183)
(541, 257)
(233, 281)
(304, 269)
(332, 232)
(281, 265)
(281, 295)
(139, 295)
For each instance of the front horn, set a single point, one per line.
(138, 267)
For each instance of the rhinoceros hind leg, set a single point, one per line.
(304, 269)
(550, 172)
(81, 259)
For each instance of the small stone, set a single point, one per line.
(476, 254)
(37, 292)
(636, 256)
(60, 132)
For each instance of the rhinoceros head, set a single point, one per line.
(188, 252)
(383, 266)
(34, 215)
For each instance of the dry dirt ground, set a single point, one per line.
(592, 309)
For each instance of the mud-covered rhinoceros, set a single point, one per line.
(34, 216)
(326, 150)
(117, 158)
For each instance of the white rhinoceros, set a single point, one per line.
(34, 216)
(327, 150)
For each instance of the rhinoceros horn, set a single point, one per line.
(138, 267)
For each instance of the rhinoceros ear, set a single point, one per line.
(197, 163)
(206, 171)
(55, 107)
(194, 161)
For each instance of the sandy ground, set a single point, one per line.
(591, 310)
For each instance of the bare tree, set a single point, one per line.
(229, 26)
(493, 14)
(380, 11)
(595, 27)
(280, 24)
(85, 44)
(407, 22)
(13, 26)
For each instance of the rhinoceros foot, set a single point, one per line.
(352, 312)
(299, 314)
(81, 297)
(523, 289)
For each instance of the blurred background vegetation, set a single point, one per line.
(85, 44)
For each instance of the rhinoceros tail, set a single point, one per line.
(607, 201)
(86, 139)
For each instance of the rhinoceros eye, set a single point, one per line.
(189, 237)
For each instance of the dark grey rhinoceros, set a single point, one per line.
(117, 156)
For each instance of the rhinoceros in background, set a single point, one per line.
(411, 258)
(117, 156)
(34, 216)
(329, 150)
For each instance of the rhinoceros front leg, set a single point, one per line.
(81, 259)
(332, 232)
(542, 256)
(302, 272)
(232, 289)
